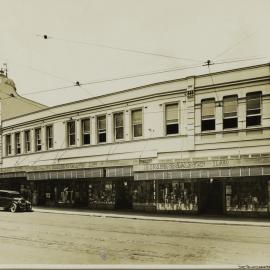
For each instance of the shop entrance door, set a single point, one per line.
(211, 197)
(123, 195)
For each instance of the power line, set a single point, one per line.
(77, 83)
(117, 48)
(234, 45)
(114, 79)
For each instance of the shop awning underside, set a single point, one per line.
(203, 173)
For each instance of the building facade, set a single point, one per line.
(195, 145)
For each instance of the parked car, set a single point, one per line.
(14, 201)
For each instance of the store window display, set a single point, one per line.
(178, 196)
(101, 193)
(247, 196)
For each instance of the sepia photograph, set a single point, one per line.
(134, 134)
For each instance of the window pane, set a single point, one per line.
(172, 129)
(172, 113)
(137, 129)
(71, 127)
(102, 122)
(86, 139)
(230, 106)
(208, 108)
(253, 101)
(136, 117)
(119, 133)
(86, 125)
(208, 125)
(102, 137)
(118, 120)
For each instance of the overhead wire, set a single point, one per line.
(117, 48)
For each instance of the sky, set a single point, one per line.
(94, 41)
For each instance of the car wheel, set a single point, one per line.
(13, 208)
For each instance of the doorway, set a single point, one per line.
(211, 197)
(123, 196)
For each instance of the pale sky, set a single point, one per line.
(191, 31)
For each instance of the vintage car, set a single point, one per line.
(13, 201)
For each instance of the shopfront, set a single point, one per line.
(217, 187)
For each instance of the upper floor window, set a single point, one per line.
(49, 137)
(71, 133)
(137, 126)
(8, 144)
(118, 126)
(86, 131)
(101, 128)
(172, 121)
(253, 105)
(230, 105)
(208, 115)
(18, 143)
(38, 139)
(27, 141)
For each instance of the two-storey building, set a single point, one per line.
(194, 145)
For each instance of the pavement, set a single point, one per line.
(202, 219)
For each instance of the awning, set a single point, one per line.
(119, 172)
(12, 175)
(203, 173)
(67, 174)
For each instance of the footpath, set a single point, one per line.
(217, 220)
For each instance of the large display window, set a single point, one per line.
(177, 195)
(100, 193)
(247, 195)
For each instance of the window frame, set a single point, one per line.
(48, 138)
(83, 133)
(224, 117)
(132, 124)
(18, 143)
(8, 147)
(254, 114)
(208, 118)
(176, 122)
(69, 134)
(36, 139)
(117, 127)
(99, 131)
(27, 142)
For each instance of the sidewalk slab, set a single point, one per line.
(136, 216)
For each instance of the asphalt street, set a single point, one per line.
(49, 238)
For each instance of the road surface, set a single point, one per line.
(47, 238)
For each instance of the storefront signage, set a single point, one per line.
(182, 165)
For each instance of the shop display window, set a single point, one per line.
(143, 192)
(247, 196)
(178, 195)
(102, 193)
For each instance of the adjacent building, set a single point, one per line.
(194, 145)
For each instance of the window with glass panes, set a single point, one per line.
(118, 126)
(172, 120)
(71, 133)
(137, 123)
(38, 139)
(230, 107)
(18, 143)
(101, 128)
(27, 141)
(253, 106)
(86, 131)
(8, 144)
(208, 115)
(49, 137)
